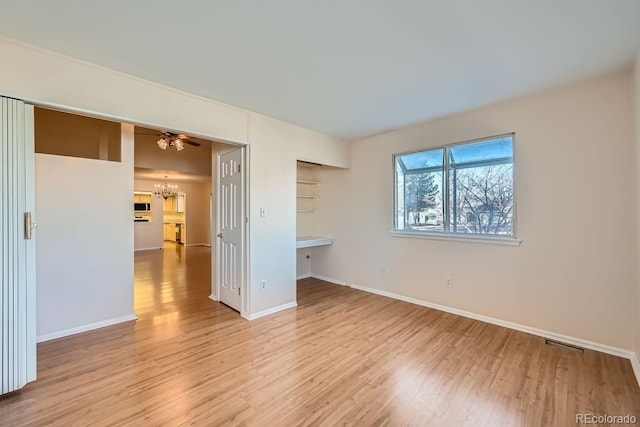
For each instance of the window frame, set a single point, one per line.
(446, 234)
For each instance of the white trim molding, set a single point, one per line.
(85, 328)
(452, 237)
(198, 244)
(148, 249)
(303, 276)
(329, 279)
(212, 297)
(603, 348)
(635, 364)
(269, 311)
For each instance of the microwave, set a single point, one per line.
(142, 206)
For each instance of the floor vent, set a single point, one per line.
(563, 345)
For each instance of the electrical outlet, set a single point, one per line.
(263, 212)
(263, 285)
(448, 282)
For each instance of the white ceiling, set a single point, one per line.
(191, 165)
(348, 68)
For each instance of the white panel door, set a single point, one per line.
(230, 227)
(17, 246)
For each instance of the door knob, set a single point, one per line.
(220, 235)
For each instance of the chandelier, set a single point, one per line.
(171, 140)
(165, 190)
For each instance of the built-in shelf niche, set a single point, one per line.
(307, 189)
(308, 195)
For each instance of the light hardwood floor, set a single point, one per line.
(342, 357)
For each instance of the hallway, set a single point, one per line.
(170, 280)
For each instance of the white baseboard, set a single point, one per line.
(198, 244)
(148, 249)
(603, 348)
(213, 297)
(635, 363)
(270, 311)
(85, 328)
(329, 279)
(303, 276)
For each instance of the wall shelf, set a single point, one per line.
(307, 182)
(306, 196)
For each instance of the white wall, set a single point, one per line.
(43, 77)
(84, 246)
(574, 272)
(636, 322)
(34, 74)
(197, 215)
(303, 264)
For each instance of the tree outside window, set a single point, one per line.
(462, 188)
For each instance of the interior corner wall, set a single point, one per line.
(573, 273)
(274, 148)
(84, 242)
(149, 235)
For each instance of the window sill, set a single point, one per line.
(506, 241)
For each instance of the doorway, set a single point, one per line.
(189, 217)
(87, 231)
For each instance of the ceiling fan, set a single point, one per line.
(172, 140)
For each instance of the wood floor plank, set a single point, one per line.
(342, 357)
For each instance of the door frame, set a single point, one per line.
(246, 298)
(215, 227)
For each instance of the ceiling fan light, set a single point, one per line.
(179, 145)
(162, 143)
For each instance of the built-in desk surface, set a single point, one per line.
(312, 241)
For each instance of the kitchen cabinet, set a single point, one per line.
(180, 202)
(174, 232)
(141, 198)
(176, 204)
(168, 205)
(168, 229)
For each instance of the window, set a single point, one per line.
(464, 188)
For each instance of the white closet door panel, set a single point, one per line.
(17, 253)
